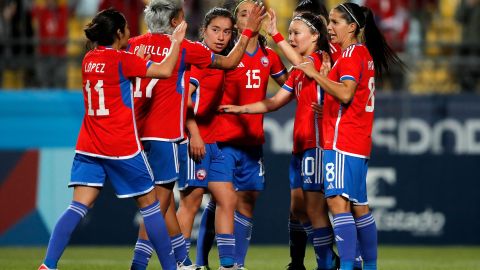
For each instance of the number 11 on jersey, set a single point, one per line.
(102, 110)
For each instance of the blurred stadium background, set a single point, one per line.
(423, 177)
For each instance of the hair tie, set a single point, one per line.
(236, 7)
(309, 24)
(351, 15)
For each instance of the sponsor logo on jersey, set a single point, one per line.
(201, 174)
(240, 65)
(264, 60)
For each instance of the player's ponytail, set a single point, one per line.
(367, 31)
(102, 30)
(262, 40)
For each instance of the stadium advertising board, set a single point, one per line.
(423, 173)
(422, 181)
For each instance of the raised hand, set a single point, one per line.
(256, 16)
(179, 32)
(272, 29)
(326, 64)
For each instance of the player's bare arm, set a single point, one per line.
(164, 69)
(280, 99)
(196, 145)
(233, 58)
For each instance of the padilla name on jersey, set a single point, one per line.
(247, 84)
(347, 128)
(307, 129)
(161, 104)
(206, 100)
(109, 129)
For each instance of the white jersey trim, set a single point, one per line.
(135, 194)
(161, 139)
(162, 182)
(71, 184)
(332, 48)
(182, 104)
(135, 130)
(197, 100)
(337, 123)
(348, 51)
(149, 169)
(350, 154)
(317, 131)
(107, 157)
(357, 203)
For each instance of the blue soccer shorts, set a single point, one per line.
(244, 164)
(163, 158)
(198, 174)
(346, 176)
(305, 170)
(129, 177)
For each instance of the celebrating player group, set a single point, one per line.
(162, 110)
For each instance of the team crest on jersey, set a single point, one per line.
(264, 60)
(201, 174)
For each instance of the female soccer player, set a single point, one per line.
(162, 114)
(108, 144)
(307, 38)
(348, 118)
(240, 137)
(205, 166)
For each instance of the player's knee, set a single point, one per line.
(297, 211)
(360, 210)
(338, 205)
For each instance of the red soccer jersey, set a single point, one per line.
(347, 128)
(335, 51)
(206, 100)
(161, 105)
(247, 84)
(109, 129)
(307, 129)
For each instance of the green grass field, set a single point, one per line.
(259, 258)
